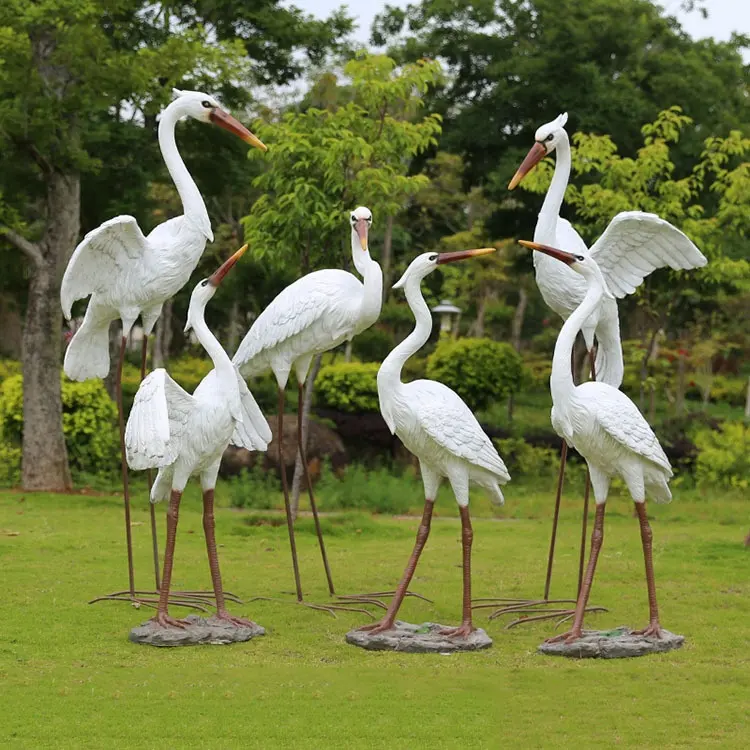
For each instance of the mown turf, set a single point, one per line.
(69, 678)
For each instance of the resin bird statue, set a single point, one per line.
(607, 429)
(181, 435)
(439, 429)
(128, 273)
(313, 315)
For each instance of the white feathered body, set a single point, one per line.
(313, 315)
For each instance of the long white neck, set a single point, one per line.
(546, 225)
(372, 276)
(225, 371)
(193, 206)
(561, 380)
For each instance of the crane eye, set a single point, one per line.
(549, 137)
(354, 218)
(580, 258)
(433, 257)
(207, 104)
(204, 282)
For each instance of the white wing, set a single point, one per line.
(102, 258)
(442, 414)
(253, 432)
(568, 237)
(635, 244)
(323, 303)
(619, 417)
(157, 422)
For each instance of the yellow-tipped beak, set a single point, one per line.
(553, 252)
(361, 227)
(225, 120)
(216, 277)
(463, 254)
(535, 155)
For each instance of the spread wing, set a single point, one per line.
(253, 432)
(635, 244)
(449, 422)
(157, 422)
(619, 417)
(322, 303)
(105, 255)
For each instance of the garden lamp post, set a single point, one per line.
(448, 314)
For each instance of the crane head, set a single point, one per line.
(361, 221)
(546, 140)
(426, 263)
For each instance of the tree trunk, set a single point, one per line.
(115, 336)
(518, 318)
(306, 406)
(386, 259)
(163, 336)
(45, 459)
(679, 404)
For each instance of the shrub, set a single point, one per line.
(350, 387)
(526, 461)
(724, 456)
(372, 345)
(89, 422)
(254, 488)
(9, 367)
(479, 370)
(10, 464)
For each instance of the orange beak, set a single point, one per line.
(463, 254)
(225, 120)
(553, 252)
(361, 227)
(535, 155)
(216, 277)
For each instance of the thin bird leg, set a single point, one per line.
(584, 524)
(597, 537)
(209, 530)
(162, 615)
(308, 481)
(386, 623)
(467, 537)
(553, 538)
(149, 476)
(646, 539)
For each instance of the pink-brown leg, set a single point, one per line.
(653, 629)
(162, 611)
(467, 537)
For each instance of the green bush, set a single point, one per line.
(9, 367)
(351, 387)
(10, 464)
(372, 345)
(254, 488)
(527, 462)
(479, 370)
(724, 456)
(89, 423)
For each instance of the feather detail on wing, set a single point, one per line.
(328, 297)
(635, 244)
(253, 433)
(619, 417)
(102, 258)
(449, 422)
(157, 422)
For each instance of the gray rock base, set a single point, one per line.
(200, 631)
(619, 643)
(418, 639)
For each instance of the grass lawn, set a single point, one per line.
(69, 678)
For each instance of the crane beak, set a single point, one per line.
(463, 254)
(361, 227)
(535, 155)
(225, 120)
(216, 277)
(553, 252)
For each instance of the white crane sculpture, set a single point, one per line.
(439, 429)
(129, 274)
(181, 435)
(607, 429)
(633, 246)
(311, 316)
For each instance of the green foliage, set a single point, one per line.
(9, 367)
(724, 456)
(350, 386)
(479, 370)
(10, 463)
(254, 488)
(527, 462)
(372, 345)
(89, 422)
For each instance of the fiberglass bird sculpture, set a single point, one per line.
(128, 274)
(439, 429)
(313, 315)
(181, 435)
(607, 429)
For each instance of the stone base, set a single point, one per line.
(618, 643)
(200, 631)
(417, 639)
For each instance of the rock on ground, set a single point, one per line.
(417, 639)
(619, 643)
(200, 631)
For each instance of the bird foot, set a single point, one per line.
(463, 631)
(652, 631)
(163, 619)
(239, 622)
(377, 627)
(570, 637)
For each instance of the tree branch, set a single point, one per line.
(31, 250)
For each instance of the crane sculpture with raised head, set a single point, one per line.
(439, 429)
(181, 435)
(313, 315)
(129, 274)
(607, 429)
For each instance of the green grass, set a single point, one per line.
(69, 678)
